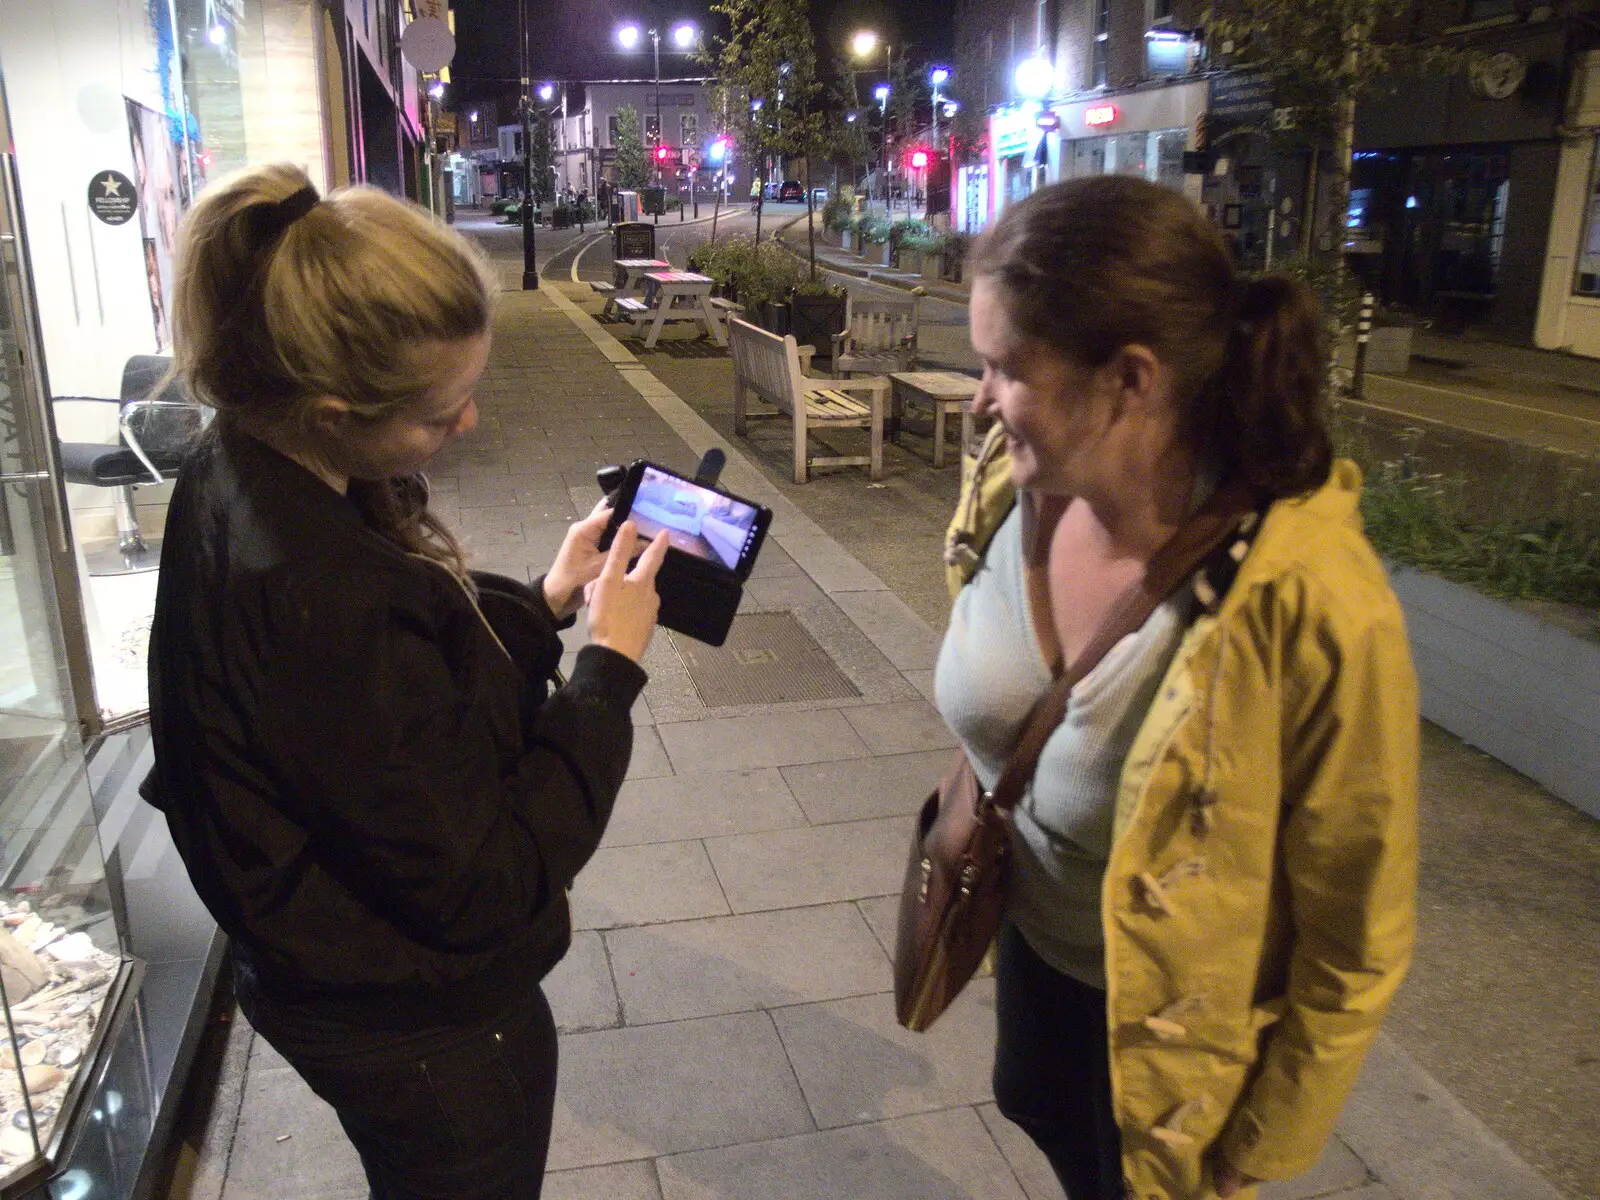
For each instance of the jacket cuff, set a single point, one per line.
(601, 671)
(544, 607)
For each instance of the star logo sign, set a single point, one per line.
(113, 187)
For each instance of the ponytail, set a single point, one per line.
(1271, 428)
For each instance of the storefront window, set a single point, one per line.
(1156, 156)
(1588, 281)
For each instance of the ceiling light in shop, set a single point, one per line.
(216, 35)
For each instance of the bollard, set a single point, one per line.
(1363, 335)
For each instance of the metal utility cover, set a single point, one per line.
(768, 658)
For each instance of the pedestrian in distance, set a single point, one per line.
(1213, 872)
(375, 791)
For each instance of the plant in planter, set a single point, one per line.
(928, 245)
(874, 232)
(906, 238)
(957, 247)
(838, 214)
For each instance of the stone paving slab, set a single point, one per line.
(702, 805)
(580, 990)
(619, 1181)
(939, 1156)
(858, 790)
(664, 1089)
(855, 1063)
(747, 743)
(901, 728)
(793, 867)
(642, 885)
(286, 1133)
(736, 964)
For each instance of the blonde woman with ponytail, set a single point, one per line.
(1213, 871)
(373, 787)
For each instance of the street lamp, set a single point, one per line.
(1034, 77)
(530, 263)
(684, 36)
(546, 92)
(864, 43)
(938, 77)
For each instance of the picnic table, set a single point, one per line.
(630, 279)
(945, 392)
(675, 296)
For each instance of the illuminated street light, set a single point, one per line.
(719, 150)
(628, 37)
(939, 77)
(683, 35)
(546, 91)
(882, 94)
(1034, 77)
(864, 43)
(436, 91)
(951, 108)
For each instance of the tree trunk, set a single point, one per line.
(811, 221)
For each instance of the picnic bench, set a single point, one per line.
(673, 296)
(769, 366)
(629, 283)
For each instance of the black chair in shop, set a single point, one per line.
(155, 427)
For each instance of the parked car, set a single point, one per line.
(819, 196)
(791, 192)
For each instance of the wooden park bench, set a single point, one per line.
(769, 366)
(880, 337)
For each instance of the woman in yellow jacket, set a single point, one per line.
(1214, 870)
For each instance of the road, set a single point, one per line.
(1517, 402)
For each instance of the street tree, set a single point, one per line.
(1321, 57)
(542, 157)
(765, 66)
(633, 169)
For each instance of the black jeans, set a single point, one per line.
(437, 1114)
(1052, 1074)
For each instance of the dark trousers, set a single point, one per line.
(1052, 1074)
(437, 1114)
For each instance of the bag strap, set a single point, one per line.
(1177, 559)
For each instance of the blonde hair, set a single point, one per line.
(351, 298)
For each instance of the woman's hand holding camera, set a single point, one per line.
(623, 604)
(578, 563)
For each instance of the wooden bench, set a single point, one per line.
(769, 366)
(633, 309)
(726, 307)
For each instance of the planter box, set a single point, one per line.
(815, 319)
(847, 240)
(773, 317)
(910, 261)
(1521, 688)
(933, 267)
(880, 255)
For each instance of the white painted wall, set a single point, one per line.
(1565, 321)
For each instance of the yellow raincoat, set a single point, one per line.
(1259, 901)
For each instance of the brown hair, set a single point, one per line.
(282, 298)
(1093, 265)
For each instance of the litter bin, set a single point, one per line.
(633, 239)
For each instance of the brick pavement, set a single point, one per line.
(726, 1025)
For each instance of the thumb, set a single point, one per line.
(650, 561)
(622, 548)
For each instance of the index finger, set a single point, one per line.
(650, 561)
(622, 548)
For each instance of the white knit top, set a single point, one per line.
(990, 673)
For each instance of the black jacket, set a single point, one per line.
(376, 803)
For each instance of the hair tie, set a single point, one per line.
(268, 221)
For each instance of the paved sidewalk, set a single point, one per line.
(727, 1029)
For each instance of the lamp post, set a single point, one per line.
(530, 265)
(684, 34)
(938, 77)
(863, 43)
(881, 94)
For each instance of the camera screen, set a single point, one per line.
(698, 520)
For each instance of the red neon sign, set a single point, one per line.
(1100, 114)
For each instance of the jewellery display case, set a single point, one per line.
(63, 969)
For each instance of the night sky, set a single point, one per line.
(572, 39)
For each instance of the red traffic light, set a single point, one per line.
(663, 153)
(919, 160)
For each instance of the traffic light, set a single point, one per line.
(919, 160)
(663, 155)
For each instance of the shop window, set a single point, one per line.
(1588, 282)
(1102, 42)
(612, 128)
(652, 129)
(688, 129)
